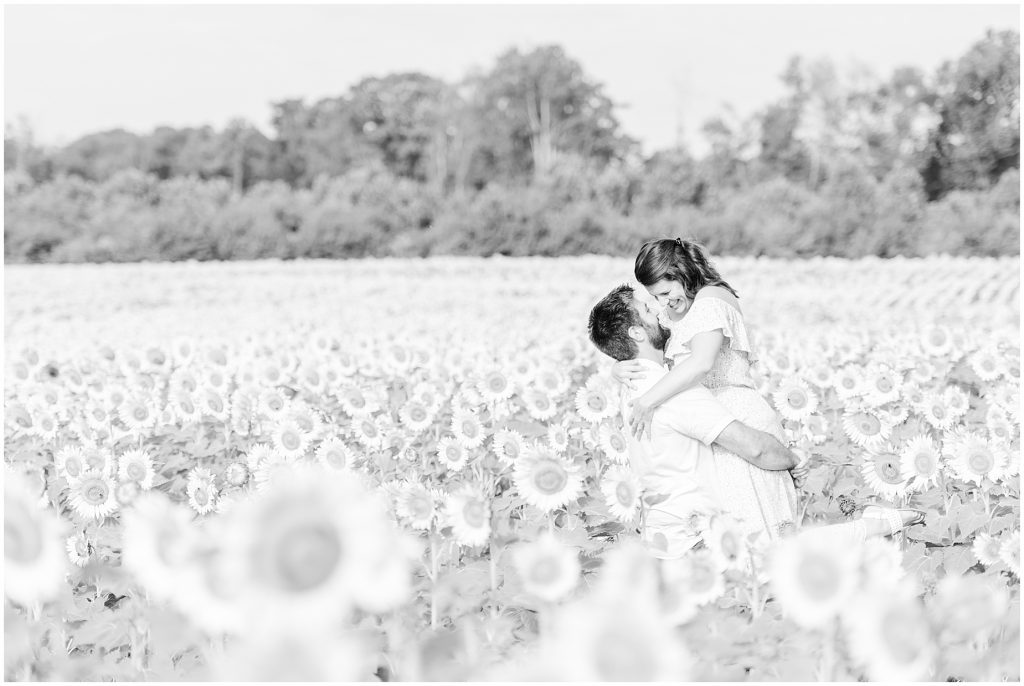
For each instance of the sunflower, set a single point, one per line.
(621, 491)
(79, 549)
(936, 412)
(289, 439)
(272, 466)
(70, 461)
(334, 454)
(136, 465)
(698, 576)
(469, 515)
(468, 430)
(549, 569)
(558, 436)
(889, 634)
(416, 416)
(212, 403)
(452, 454)
(816, 428)
(137, 414)
(986, 548)
(967, 607)
(813, 577)
(272, 402)
(256, 454)
(417, 505)
(546, 481)
(913, 395)
(957, 401)
(539, 404)
(1009, 552)
(620, 639)
(306, 418)
(92, 496)
(882, 385)
(864, 428)
(495, 386)
(937, 341)
(96, 415)
(267, 655)
(794, 399)
(552, 381)
(44, 425)
(217, 379)
(34, 557)
(847, 382)
(595, 403)
(999, 426)
(727, 542)
(312, 379)
(202, 493)
(820, 375)
(988, 364)
(974, 458)
(921, 462)
(507, 445)
(236, 474)
(883, 473)
(356, 403)
(367, 432)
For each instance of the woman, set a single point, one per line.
(709, 345)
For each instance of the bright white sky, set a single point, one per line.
(78, 69)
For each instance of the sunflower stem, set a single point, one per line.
(433, 581)
(827, 670)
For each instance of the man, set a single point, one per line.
(676, 462)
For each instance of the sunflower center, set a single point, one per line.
(469, 429)
(550, 479)
(140, 413)
(135, 471)
(884, 384)
(939, 412)
(620, 657)
(290, 440)
(848, 383)
(511, 449)
(335, 458)
(98, 414)
(417, 414)
(796, 399)
(306, 556)
(473, 513)
(370, 429)
(596, 403)
(421, 507)
(980, 462)
(730, 545)
(902, 631)
(616, 442)
(924, 464)
(544, 570)
(937, 338)
(95, 492)
(818, 578)
(888, 469)
(72, 466)
(496, 384)
(868, 425)
(625, 494)
(452, 453)
(23, 539)
(214, 403)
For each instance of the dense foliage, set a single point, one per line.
(528, 157)
(414, 470)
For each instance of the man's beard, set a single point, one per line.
(658, 335)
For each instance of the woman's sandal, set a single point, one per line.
(892, 516)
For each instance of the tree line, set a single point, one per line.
(509, 157)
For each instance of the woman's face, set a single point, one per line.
(670, 295)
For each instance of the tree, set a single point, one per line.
(541, 103)
(978, 135)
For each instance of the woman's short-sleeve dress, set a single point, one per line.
(762, 500)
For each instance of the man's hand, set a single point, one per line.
(802, 469)
(640, 419)
(625, 371)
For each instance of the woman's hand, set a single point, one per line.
(626, 370)
(802, 469)
(640, 419)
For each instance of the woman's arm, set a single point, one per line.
(704, 348)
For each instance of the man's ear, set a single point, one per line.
(637, 333)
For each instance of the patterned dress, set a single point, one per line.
(760, 500)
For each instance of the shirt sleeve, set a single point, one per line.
(696, 413)
(709, 314)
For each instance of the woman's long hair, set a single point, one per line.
(677, 260)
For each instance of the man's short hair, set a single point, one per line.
(610, 321)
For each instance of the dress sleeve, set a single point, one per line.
(712, 314)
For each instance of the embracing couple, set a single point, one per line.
(706, 440)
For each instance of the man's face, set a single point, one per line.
(657, 333)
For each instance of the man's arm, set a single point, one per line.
(757, 447)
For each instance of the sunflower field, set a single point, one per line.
(416, 470)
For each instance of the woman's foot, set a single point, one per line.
(896, 520)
